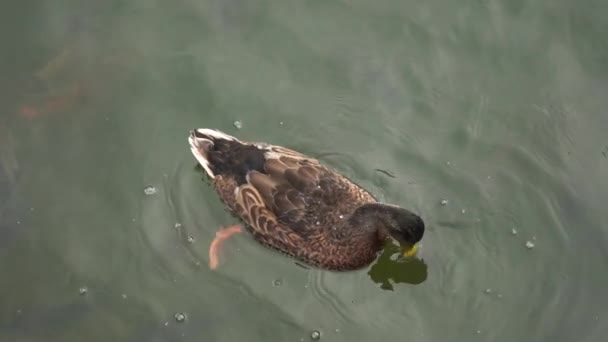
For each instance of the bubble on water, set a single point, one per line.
(177, 225)
(277, 282)
(463, 211)
(166, 324)
(341, 216)
(18, 222)
(337, 330)
(534, 238)
(448, 163)
(529, 244)
(180, 317)
(281, 123)
(315, 335)
(190, 239)
(444, 202)
(18, 311)
(149, 190)
(238, 124)
(487, 291)
(83, 290)
(478, 331)
(513, 231)
(499, 295)
(124, 296)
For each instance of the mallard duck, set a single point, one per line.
(292, 203)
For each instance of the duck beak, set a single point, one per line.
(409, 251)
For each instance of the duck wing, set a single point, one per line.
(303, 195)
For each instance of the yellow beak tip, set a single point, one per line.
(411, 251)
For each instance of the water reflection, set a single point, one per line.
(8, 181)
(390, 269)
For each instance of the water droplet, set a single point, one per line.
(529, 244)
(513, 231)
(177, 225)
(83, 290)
(315, 335)
(488, 291)
(124, 296)
(149, 190)
(444, 202)
(190, 239)
(180, 317)
(237, 124)
(277, 282)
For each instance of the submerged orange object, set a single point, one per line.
(220, 237)
(28, 112)
(56, 103)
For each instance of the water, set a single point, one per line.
(498, 107)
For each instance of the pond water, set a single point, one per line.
(486, 117)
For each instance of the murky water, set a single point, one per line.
(486, 117)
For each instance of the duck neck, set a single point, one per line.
(374, 218)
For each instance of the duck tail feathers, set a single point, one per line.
(202, 141)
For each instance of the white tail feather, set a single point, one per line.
(201, 144)
(199, 154)
(214, 133)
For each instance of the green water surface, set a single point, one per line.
(496, 108)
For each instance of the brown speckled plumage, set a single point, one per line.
(290, 202)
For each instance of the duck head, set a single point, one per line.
(389, 220)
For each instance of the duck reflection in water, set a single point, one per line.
(392, 268)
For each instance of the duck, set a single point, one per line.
(294, 204)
